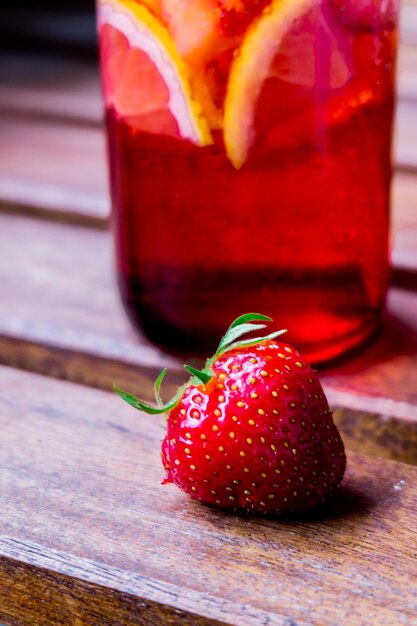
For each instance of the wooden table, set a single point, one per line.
(88, 535)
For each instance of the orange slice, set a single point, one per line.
(144, 77)
(282, 37)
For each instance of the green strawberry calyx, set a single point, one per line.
(231, 340)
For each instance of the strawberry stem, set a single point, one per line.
(250, 317)
(201, 375)
(157, 387)
(240, 326)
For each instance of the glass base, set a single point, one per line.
(324, 320)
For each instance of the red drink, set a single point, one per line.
(279, 203)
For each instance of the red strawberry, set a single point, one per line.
(252, 430)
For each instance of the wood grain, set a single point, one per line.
(60, 310)
(47, 588)
(60, 315)
(105, 535)
(53, 168)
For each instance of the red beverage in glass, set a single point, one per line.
(250, 146)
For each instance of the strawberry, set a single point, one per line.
(253, 430)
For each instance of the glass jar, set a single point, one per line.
(250, 164)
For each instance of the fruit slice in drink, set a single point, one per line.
(144, 78)
(280, 43)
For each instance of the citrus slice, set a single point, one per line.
(282, 40)
(196, 28)
(144, 77)
(193, 26)
(154, 6)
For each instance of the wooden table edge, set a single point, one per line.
(376, 426)
(60, 581)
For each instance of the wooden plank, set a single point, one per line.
(60, 315)
(51, 87)
(54, 169)
(405, 136)
(58, 594)
(408, 22)
(407, 72)
(105, 535)
(404, 229)
(70, 322)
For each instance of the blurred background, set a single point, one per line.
(66, 27)
(52, 154)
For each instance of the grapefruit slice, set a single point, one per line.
(280, 42)
(196, 28)
(144, 77)
(193, 26)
